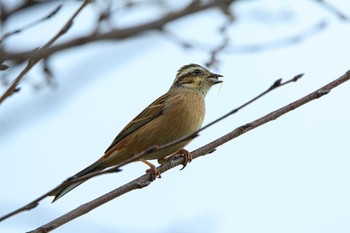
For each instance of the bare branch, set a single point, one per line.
(32, 61)
(225, 37)
(32, 24)
(252, 48)
(25, 5)
(224, 43)
(333, 9)
(145, 180)
(279, 43)
(118, 34)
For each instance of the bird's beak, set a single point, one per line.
(214, 78)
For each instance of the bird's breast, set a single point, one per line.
(185, 113)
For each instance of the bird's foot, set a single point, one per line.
(187, 157)
(155, 173)
(181, 153)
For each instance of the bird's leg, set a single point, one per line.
(183, 153)
(154, 171)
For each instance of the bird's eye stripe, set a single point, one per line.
(185, 79)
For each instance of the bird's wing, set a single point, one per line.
(150, 113)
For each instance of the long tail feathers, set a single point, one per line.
(63, 191)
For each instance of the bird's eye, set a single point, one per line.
(197, 72)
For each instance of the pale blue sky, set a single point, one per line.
(291, 175)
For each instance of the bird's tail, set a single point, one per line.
(64, 190)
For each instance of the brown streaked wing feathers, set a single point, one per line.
(153, 111)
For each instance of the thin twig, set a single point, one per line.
(279, 43)
(250, 48)
(144, 180)
(21, 7)
(32, 24)
(118, 34)
(32, 61)
(213, 61)
(328, 6)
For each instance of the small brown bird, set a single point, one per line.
(176, 114)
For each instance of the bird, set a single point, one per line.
(177, 113)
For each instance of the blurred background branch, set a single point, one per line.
(104, 29)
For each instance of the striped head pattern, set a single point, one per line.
(196, 77)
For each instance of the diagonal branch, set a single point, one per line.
(331, 8)
(119, 34)
(144, 180)
(32, 61)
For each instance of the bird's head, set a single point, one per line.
(195, 77)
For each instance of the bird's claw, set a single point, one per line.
(181, 153)
(187, 157)
(155, 173)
